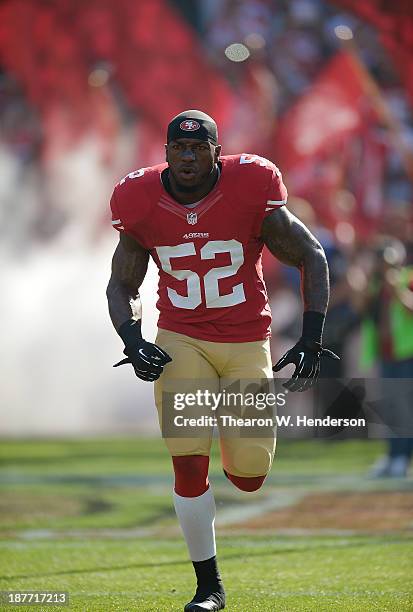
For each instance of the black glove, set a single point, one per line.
(306, 354)
(147, 359)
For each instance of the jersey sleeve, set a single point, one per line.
(117, 222)
(130, 204)
(277, 192)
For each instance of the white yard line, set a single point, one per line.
(232, 514)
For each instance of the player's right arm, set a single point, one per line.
(129, 266)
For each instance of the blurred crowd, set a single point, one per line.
(286, 45)
(269, 52)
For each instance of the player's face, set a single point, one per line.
(191, 162)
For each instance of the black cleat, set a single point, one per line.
(206, 602)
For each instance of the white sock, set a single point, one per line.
(196, 516)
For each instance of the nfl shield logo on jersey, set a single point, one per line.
(192, 218)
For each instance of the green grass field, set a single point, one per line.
(95, 518)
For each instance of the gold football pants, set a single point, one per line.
(198, 364)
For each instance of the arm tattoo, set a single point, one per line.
(129, 266)
(293, 244)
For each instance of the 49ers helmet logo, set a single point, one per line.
(189, 125)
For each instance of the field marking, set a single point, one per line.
(173, 531)
(276, 497)
(238, 513)
(118, 533)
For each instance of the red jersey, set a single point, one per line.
(211, 285)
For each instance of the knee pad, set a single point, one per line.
(253, 460)
(247, 459)
(191, 475)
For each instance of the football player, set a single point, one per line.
(204, 219)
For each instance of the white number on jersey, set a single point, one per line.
(133, 175)
(210, 281)
(249, 159)
(194, 298)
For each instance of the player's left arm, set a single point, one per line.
(290, 241)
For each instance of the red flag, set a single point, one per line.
(326, 116)
(313, 139)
